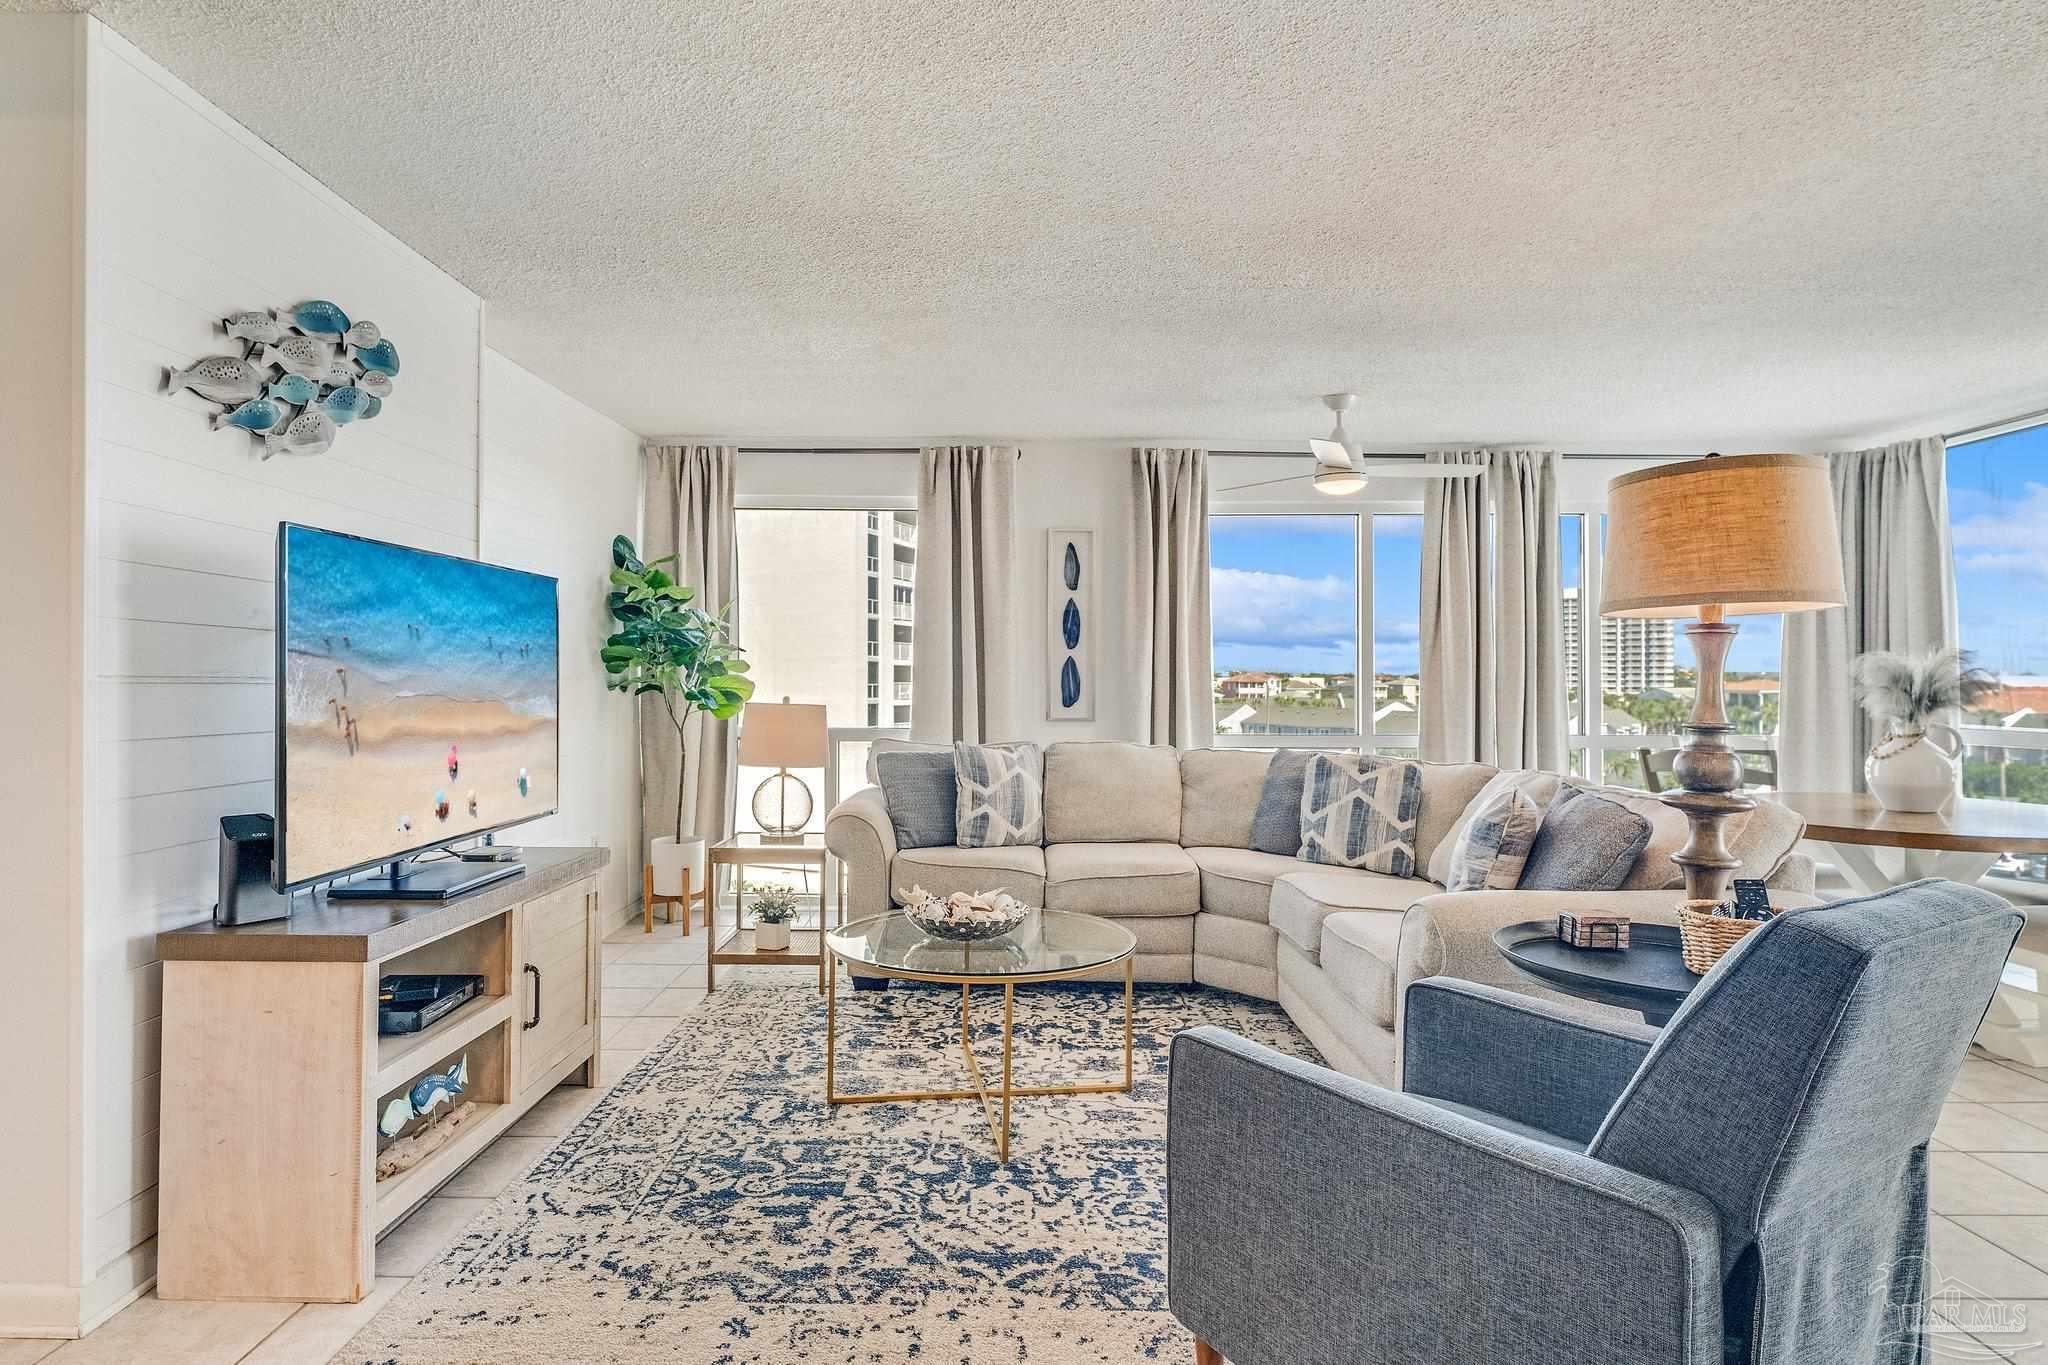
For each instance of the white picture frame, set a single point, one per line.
(1070, 623)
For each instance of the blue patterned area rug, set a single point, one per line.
(711, 1209)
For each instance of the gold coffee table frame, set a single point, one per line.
(998, 1116)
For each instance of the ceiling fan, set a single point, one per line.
(1341, 469)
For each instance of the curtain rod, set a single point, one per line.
(1994, 426)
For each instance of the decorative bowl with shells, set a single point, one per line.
(963, 917)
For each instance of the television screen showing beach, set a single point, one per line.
(419, 700)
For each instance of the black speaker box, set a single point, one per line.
(245, 852)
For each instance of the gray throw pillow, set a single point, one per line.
(919, 790)
(1359, 811)
(1000, 799)
(1276, 821)
(1586, 843)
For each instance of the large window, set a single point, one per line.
(825, 615)
(1998, 508)
(1293, 596)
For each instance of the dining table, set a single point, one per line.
(1877, 848)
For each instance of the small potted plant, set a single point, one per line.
(774, 908)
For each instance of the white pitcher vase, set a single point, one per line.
(1912, 769)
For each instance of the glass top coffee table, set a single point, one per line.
(1050, 945)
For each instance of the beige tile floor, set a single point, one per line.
(1988, 1226)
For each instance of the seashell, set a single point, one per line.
(382, 357)
(1070, 683)
(295, 389)
(344, 405)
(316, 317)
(219, 379)
(300, 355)
(258, 415)
(256, 324)
(310, 433)
(375, 384)
(1071, 568)
(1070, 624)
(363, 333)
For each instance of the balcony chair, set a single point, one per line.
(1748, 1187)
(1759, 767)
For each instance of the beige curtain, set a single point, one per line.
(1492, 622)
(964, 668)
(1891, 507)
(1170, 661)
(689, 500)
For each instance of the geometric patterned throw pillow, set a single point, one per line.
(1493, 847)
(1001, 798)
(1359, 811)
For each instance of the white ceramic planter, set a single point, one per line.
(771, 938)
(1911, 771)
(671, 859)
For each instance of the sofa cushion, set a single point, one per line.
(1302, 900)
(1586, 843)
(1219, 788)
(1358, 810)
(1764, 839)
(1360, 948)
(1668, 832)
(1493, 850)
(1122, 879)
(1112, 792)
(1541, 786)
(1018, 869)
(1238, 882)
(1276, 821)
(885, 745)
(1001, 797)
(1447, 792)
(920, 793)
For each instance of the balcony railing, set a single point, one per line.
(903, 691)
(902, 653)
(874, 649)
(874, 607)
(906, 533)
(904, 573)
(904, 611)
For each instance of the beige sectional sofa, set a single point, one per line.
(1158, 840)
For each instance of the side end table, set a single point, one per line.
(736, 947)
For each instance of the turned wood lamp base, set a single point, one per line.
(1709, 772)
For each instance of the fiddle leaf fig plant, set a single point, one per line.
(664, 646)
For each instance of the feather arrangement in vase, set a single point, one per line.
(1914, 765)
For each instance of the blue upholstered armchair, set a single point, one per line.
(1749, 1186)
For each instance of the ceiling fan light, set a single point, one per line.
(1337, 482)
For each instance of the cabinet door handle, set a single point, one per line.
(535, 1021)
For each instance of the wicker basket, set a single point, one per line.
(1704, 937)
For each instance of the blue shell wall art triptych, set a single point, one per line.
(1070, 594)
(304, 373)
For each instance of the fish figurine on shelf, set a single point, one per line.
(299, 355)
(310, 433)
(375, 384)
(295, 389)
(219, 379)
(396, 1115)
(256, 326)
(257, 415)
(439, 1088)
(382, 358)
(316, 318)
(364, 333)
(344, 405)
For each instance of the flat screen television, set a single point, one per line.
(417, 705)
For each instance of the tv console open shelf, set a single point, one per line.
(274, 1074)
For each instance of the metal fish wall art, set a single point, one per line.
(308, 370)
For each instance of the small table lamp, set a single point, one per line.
(783, 735)
(1728, 535)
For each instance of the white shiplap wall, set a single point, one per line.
(189, 216)
(559, 481)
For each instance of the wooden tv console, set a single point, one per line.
(274, 1075)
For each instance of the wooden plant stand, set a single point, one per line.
(690, 896)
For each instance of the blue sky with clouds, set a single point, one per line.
(1284, 587)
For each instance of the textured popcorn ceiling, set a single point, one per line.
(1610, 225)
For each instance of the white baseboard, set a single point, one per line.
(120, 1282)
(38, 1310)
